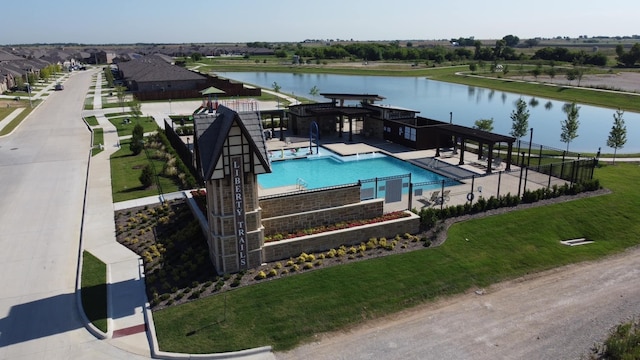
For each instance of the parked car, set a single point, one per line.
(59, 87)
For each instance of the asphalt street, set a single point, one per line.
(43, 170)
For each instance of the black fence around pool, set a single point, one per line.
(399, 188)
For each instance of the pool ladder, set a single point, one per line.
(301, 184)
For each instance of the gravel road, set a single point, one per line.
(557, 314)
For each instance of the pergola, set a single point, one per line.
(463, 134)
(350, 112)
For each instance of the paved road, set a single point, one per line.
(43, 167)
(559, 314)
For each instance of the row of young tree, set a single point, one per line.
(520, 125)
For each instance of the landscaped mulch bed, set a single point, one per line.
(176, 257)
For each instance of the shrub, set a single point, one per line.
(308, 266)
(278, 265)
(261, 275)
(146, 177)
(272, 273)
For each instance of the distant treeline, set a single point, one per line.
(439, 54)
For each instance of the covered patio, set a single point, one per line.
(463, 134)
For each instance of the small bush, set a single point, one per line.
(261, 275)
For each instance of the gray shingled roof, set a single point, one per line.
(7, 56)
(155, 68)
(211, 132)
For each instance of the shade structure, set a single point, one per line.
(212, 91)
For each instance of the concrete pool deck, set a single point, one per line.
(483, 185)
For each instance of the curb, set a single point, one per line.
(87, 324)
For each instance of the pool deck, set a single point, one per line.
(483, 185)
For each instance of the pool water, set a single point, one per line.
(319, 171)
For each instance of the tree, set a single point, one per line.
(570, 124)
(120, 94)
(520, 119)
(473, 67)
(618, 134)
(484, 124)
(108, 75)
(511, 40)
(571, 74)
(536, 72)
(314, 91)
(146, 177)
(137, 138)
(136, 106)
(277, 88)
(552, 72)
(196, 56)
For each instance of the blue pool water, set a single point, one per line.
(318, 171)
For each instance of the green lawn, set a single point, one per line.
(98, 138)
(125, 171)
(610, 100)
(18, 119)
(285, 312)
(94, 290)
(148, 124)
(91, 120)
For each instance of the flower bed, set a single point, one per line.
(337, 226)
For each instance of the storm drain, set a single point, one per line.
(576, 242)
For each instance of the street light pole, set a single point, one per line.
(29, 92)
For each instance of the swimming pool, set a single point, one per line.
(330, 169)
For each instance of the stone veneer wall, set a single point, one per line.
(285, 249)
(309, 201)
(294, 222)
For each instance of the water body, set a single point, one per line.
(436, 100)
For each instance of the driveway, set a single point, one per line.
(43, 169)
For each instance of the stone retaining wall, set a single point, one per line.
(294, 222)
(309, 201)
(285, 249)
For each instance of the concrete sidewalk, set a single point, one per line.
(126, 296)
(4, 122)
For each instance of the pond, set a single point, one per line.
(462, 104)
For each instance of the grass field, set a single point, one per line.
(91, 120)
(18, 119)
(125, 171)
(148, 124)
(94, 290)
(98, 138)
(285, 312)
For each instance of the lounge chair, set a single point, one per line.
(444, 198)
(430, 201)
(434, 197)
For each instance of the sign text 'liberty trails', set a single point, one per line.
(237, 178)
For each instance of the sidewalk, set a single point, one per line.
(126, 296)
(7, 120)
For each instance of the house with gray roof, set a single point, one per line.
(154, 74)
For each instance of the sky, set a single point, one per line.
(233, 21)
